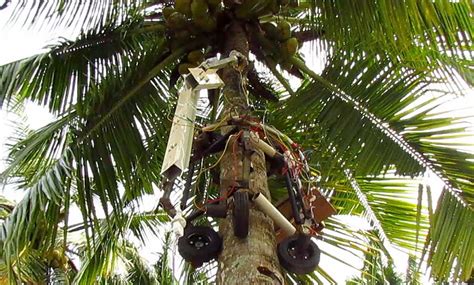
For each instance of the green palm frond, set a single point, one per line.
(343, 237)
(413, 275)
(375, 271)
(35, 264)
(421, 34)
(109, 245)
(318, 277)
(388, 203)
(192, 275)
(365, 245)
(393, 201)
(68, 71)
(35, 152)
(6, 207)
(113, 279)
(451, 240)
(41, 203)
(68, 13)
(341, 125)
(372, 271)
(165, 274)
(357, 126)
(31, 267)
(121, 128)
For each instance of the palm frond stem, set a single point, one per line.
(369, 213)
(272, 66)
(383, 126)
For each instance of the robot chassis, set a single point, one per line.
(297, 218)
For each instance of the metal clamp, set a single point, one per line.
(233, 59)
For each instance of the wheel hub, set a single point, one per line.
(198, 241)
(293, 252)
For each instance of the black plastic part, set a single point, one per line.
(194, 214)
(240, 215)
(199, 244)
(216, 210)
(165, 201)
(292, 198)
(279, 161)
(216, 146)
(271, 167)
(296, 257)
(302, 243)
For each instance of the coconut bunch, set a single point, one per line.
(278, 43)
(188, 20)
(193, 59)
(192, 17)
(57, 259)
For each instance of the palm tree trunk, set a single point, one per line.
(251, 260)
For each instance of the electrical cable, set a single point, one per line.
(201, 171)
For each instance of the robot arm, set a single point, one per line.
(178, 149)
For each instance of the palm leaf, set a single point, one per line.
(82, 14)
(124, 142)
(422, 34)
(68, 71)
(371, 139)
(451, 240)
(110, 245)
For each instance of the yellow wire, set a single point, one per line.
(218, 125)
(223, 152)
(212, 166)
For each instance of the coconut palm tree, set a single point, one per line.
(368, 115)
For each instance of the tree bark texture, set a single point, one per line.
(252, 260)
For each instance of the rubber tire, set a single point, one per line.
(240, 214)
(195, 255)
(295, 263)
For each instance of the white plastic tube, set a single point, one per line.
(263, 146)
(265, 206)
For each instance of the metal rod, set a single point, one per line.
(291, 197)
(194, 214)
(165, 201)
(299, 196)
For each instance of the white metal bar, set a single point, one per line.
(178, 149)
(265, 206)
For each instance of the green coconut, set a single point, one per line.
(177, 21)
(183, 68)
(284, 30)
(195, 56)
(183, 6)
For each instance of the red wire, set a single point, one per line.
(233, 188)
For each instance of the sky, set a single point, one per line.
(17, 42)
